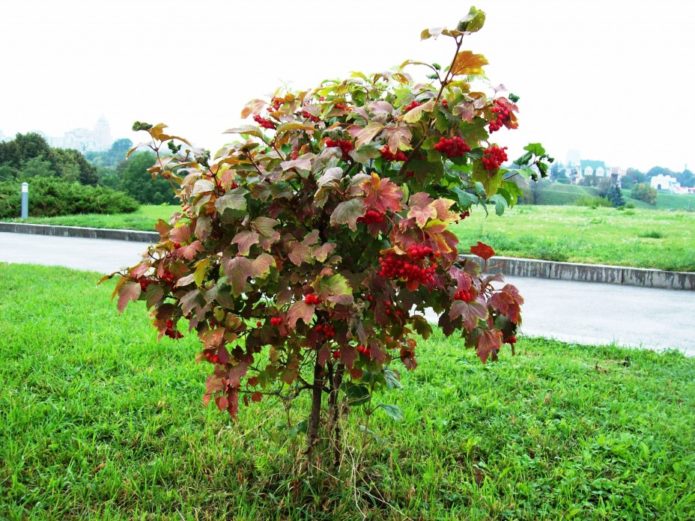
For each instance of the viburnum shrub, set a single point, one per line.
(307, 251)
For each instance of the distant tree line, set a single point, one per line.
(29, 156)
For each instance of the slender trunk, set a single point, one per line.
(315, 415)
(334, 411)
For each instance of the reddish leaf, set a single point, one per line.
(190, 251)
(482, 250)
(129, 291)
(470, 313)
(382, 194)
(489, 341)
(300, 310)
(420, 208)
(244, 240)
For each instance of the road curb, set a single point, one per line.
(623, 275)
(80, 232)
(512, 266)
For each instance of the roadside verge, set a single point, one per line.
(623, 275)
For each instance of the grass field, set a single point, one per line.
(141, 219)
(642, 238)
(562, 194)
(99, 421)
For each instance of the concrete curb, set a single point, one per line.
(81, 232)
(624, 275)
(627, 276)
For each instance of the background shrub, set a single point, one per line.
(53, 196)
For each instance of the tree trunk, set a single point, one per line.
(334, 411)
(315, 415)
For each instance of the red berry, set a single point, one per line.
(411, 105)
(275, 321)
(345, 145)
(493, 157)
(452, 147)
(312, 299)
(399, 155)
(372, 217)
(263, 122)
(258, 323)
(465, 214)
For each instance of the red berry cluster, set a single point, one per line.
(312, 299)
(510, 340)
(363, 349)
(170, 331)
(211, 357)
(308, 115)
(408, 267)
(341, 106)
(390, 156)
(465, 214)
(411, 105)
(372, 217)
(501, 114)
(325, 329)
(345, 145)
(264, 122)
(452, 147)
(168, 276)
(144, 283)
(465, 295)
(493, 157)
(275, 321)
(276, 103)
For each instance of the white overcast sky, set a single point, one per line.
(612, 79)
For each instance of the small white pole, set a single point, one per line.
(25, 200)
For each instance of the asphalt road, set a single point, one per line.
(572, 311)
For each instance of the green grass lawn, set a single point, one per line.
(565, 194)
(634, 237)
(100, 421)
(143, 218)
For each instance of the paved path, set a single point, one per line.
(572, 311)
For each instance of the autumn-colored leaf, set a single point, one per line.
(420, 208)
(128, 291)
(300, 310)
(381, 195)
(468, 63)
(489, 340)
(482, 250)
(253, 107)
(348, 212)
(368, 133)
(244, 240)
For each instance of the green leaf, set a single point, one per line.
(465, 199)
(500, 203)
(392, 378)
(473, 22)
(357, 394)
(392, 411)
(535, 148)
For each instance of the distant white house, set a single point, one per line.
(665, 183)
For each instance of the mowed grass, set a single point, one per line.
(144, 218)
(633, 237)
(100, 421)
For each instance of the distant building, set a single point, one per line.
(590, 167)
(85, 140)
(665, 183)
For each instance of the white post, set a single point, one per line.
(25, 200)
